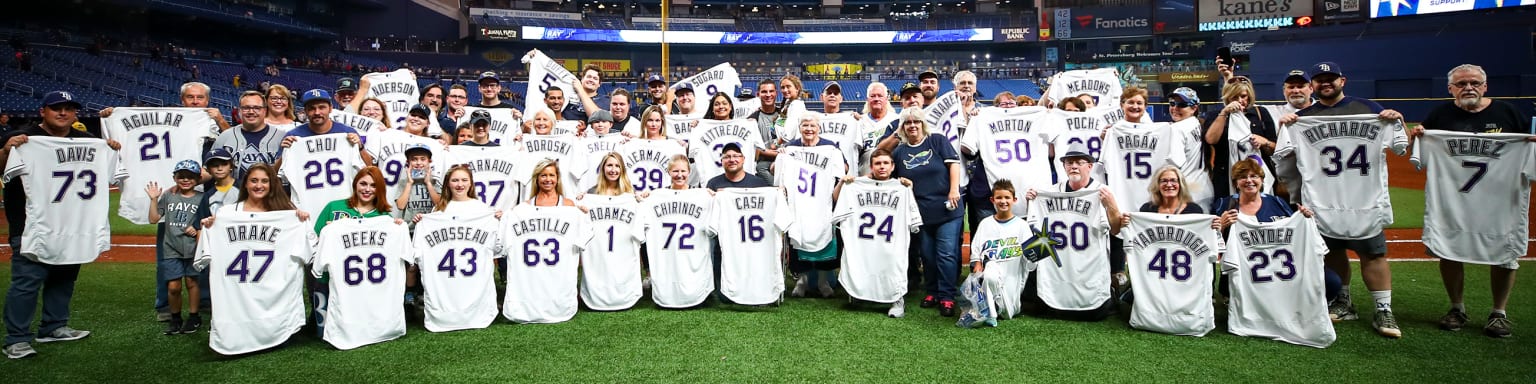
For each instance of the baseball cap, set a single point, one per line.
(1077, 149)
(746, 94)
(1297, 76)
(730, 147)
(600, 115)
(187, 165)
(59, 97)
(478, 116)
(418, 148)
(1326, 67)
(831, 85)
(217, 154)
(654, 79)
(346, 84)
(909, 87)
(489, 75)
(927, 74)
(684, 87)
(78, 126)
(314, 95)
(421, 109)
(1187, 94)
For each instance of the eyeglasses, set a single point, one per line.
(1468, 84)
(1167, 181)
(1181, 104)
(252, 107)
(457, 97)
(735, 156)
(1075, 162)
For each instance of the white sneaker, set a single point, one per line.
(645, 283)
(897, 310)
(19, 350)
(800, 283)
(825, 286)
(64, 333)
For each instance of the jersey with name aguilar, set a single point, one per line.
(153, 141)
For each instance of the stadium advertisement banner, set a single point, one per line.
(1221, 15)
(498, 34)
(1188, 77)
(1173, 16)
(1340, 10)
(1390, 8)
(1080, 23)
(758, 38)
(608, 65)
(1014, 35)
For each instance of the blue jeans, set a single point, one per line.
(940, 244)
(56, 284)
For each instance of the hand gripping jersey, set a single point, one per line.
(362, 124)
(1103, 84)
(1132, 153)
(680, 126)
(366, 260)
(870, 133)
(712, 135)
(1192, 164)
(544, 73)
(396, 168)
(1013, 144)
(594, 148)
(456, 256)
(1240, 147)
(843, 129)
(999, 246)
(877, 219)
(1276, 271)
(809, 174)
(503, 127)
(610, 269)
(397, 90)
(1169, 260)
(320, 169)
(1078, 223)
(1072, 128)
(682, 270)
(542, 248)
(499, 179)
(153, 141)
(750, 223)
(719, 78)
(560, 148)
(67, 181)
(647, 161)
(255, 263)
(1477, 195)
(945, 116)
(1343, 170)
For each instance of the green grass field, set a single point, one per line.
(1407, 207)
(804, 340)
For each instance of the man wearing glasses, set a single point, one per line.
(458, 97)
(255, 141)
(735, 175)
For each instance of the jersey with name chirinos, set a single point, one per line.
(1169, 259)
(876, 219)
(843, 129)
(1477, 194)
(648, 160)
(1076, 220)
(1132, 153)
(1072, 128)
(397, 89)
(999, 247)
(153, 141)
(67, 183)
(678, 249)
(255, 264)
(560, 148)
(750, 225)
(1013, 144)
(1344, 171)
(594, 148)
(456, 255)
(320, 169)
(499, 177)
(544, 245)
(366, 260)
(809, 174)
(1103, 84)
(1276, 273)
(610, 269)
(711, 136)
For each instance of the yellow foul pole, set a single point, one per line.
(666, 57)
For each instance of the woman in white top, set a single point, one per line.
(280, 112)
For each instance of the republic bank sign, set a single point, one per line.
(1222, 15)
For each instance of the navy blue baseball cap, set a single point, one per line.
(59, 97)
(217, 154)
(346, 84)
(187, 166)
(418, 148)
(1326, 67)
(655, 79)
(313, 95)
(422, 110)
(1297, 76)
(489, 75)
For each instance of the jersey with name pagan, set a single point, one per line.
(648, 160)
(809, 174)
(1013, 144)
(1076, 220)
(1343, 170)
(560, 148)
(610, 269)
(366, 260)
(876, 219)
(1276, 273)
(1103, 84)
(594, 148)
(843, 129)
(502, 128)
(320, 169)
(1477, 195)
(999, 246)
(456, 255)
(153, 141)
(712, 135)
(678, 250)
(67, 181)
(499, 179)
(255, 264)
(1132, 153)
(1169, 260)
(543, 244)
(750, 225)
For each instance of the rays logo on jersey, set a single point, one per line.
(918, 159)
(1040, 246)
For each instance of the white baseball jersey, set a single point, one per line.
(841, 128)
(67, 181)
(456, 255)
(1013, 144)
(153, 141)
(320, 169)
(565, 127)
(647, 161)
(1169, 259)
(499, 179)
(999, 247)
(787, 126)
(610, 269)
(1477, 194)
(1072, 128)
(1276, 276)
(719, 78)
(1078, 222)
(742, 108)
(543, 245)
(502, 128)
(749, 224)
(870, 133)
(712, 135)
(362, 124)
(544, 73)
(561, 148)
(946, 116)
(1240, 147)
(1192, 165)
(396, 170)
(680, 126)
(397, 89)
(255, 264)
(876, 219)
(1132, 153)
(1102, 83)
(809, 174)
(1343, 170)
(366, 259)
(682, 269)
(594, 148)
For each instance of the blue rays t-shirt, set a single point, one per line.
(926, 165)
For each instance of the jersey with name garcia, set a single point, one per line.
(877, 219)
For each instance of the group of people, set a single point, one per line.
(703, 197)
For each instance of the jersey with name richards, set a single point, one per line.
(1344, 171)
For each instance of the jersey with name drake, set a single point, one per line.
(67, 182)
(1169, 259)
(1344, 170)
(255, 264)
(456, 255)
(750, 223)
(541, 284)
(153, 141)
(366, 259)
(320, 169)
(1469, 176)
(1276, 272)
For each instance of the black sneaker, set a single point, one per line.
(173, 326)
(193, 323)
(929, 302)
(947, 308)
(1498, 326)
(1454, 320)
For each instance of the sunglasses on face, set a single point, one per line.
(1181, 104)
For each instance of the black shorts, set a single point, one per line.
(1366, 248)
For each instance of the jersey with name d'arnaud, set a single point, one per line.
(750, 225)
(876, 219)
(255, 263)
(1276, 272)
(153, 141)
(456, 255)
(320, 169)
(1077, 222)
(1344, 171)
(610, 269)
(1169, 258)
(366, 260)
(499, 178)
(67, 181)
(678, 249)
(543, 245)
(1477, 195)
